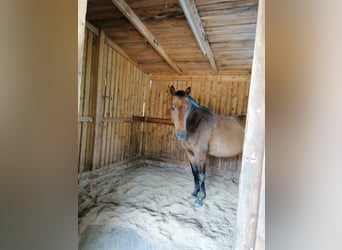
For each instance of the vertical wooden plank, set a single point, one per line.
(254, 146)
(117, 106)
(144, 89)
(229, 94)
(103, 106)
(111, 106)
(82, 9)
(260, 231)
(245, 100)
(157, 111)
(166, 110)
(115, 99)
(219, 96)
(80, 103)
(128, 108)
(123, 105)
(133, 104)
(136, 138)
(233, 102)
(99, 101)
(240, 95)
(86, 99)
(88, 73)
(92, 103)
(108, 102)
(79, 131)
(223, 98)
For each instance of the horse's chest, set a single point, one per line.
(188, 148)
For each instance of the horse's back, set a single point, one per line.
(227, 136)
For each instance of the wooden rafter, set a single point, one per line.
(191, 13)
(134, 19)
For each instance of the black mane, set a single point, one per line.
(197, 114)
(193, 103)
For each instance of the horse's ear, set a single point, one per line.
(172, 90)
(188, 91)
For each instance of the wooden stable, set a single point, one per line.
(129, 55)
(116, 97)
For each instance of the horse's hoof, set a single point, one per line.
(198, 203)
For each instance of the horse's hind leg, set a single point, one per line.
(194, 170)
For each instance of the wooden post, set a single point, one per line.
(260, 233)
(82, 9)
(99, 106)
(250, 190)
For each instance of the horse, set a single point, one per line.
(201, 133)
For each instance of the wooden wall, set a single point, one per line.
(87, 101)
(225, 95)
(112, 91)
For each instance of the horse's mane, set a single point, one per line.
(197, 114)
(196, 104)
(181, 93)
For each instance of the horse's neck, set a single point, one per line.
(197, 117)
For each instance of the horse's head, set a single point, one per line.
(179, 111)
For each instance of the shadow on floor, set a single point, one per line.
(100, 238)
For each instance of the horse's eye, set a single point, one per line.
(172, 108)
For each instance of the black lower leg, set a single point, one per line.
(196, 180)
(202, 186)
(202, 193)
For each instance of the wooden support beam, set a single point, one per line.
(92, 28)
(191, 13)
(82, 9)
(99, 104)
(260, 231)
(152, 120)
(250, 210)
(234, 76)
(134, 19)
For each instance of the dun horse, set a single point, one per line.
(203, 133)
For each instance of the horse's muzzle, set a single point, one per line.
(181, 135)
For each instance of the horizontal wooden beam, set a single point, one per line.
(85, 119)
(89, 177)
(114, 120)
(134, 19)
(243, 76)
(152, 120)
(191, 13)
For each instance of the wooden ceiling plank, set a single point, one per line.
(134, 19)
(191, 13)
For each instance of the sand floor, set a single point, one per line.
(148, 207)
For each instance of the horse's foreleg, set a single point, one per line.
(201, 178)
(194, 170)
